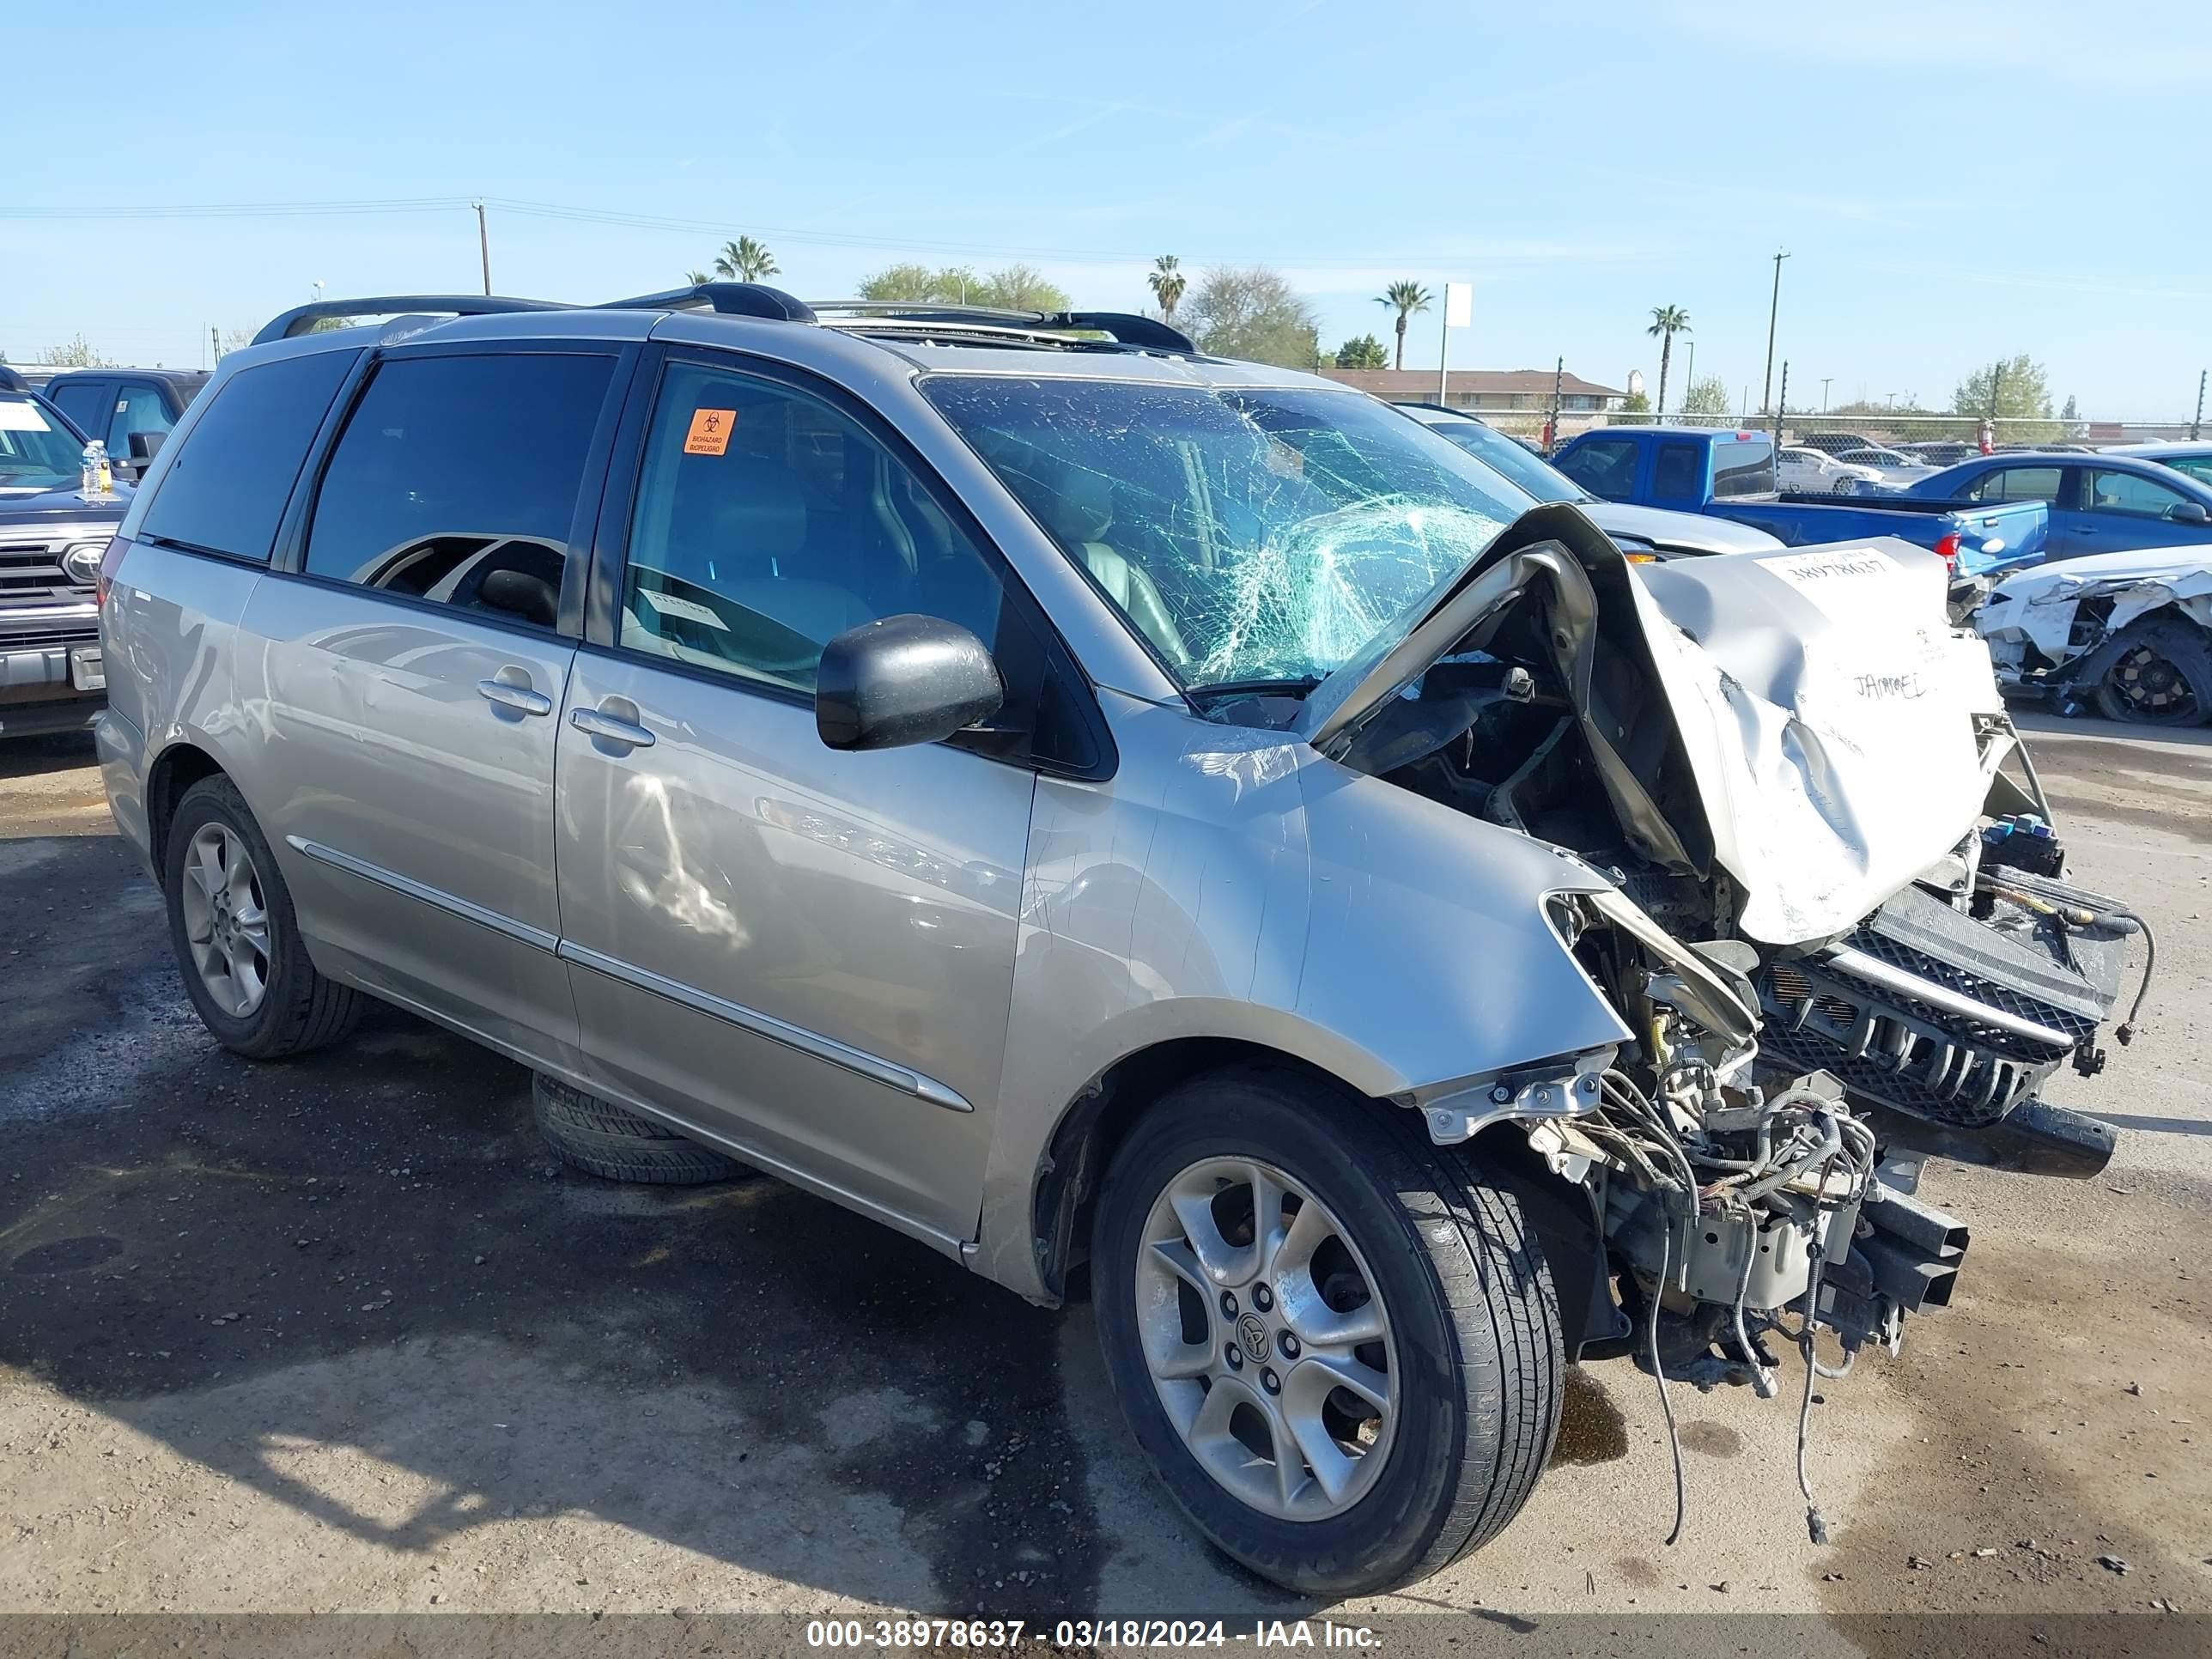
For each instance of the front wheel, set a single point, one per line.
(1337, 1343)
(2162, 675)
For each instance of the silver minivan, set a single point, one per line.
(1144, 825)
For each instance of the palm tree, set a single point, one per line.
(1667, 321)
(1408, 298)
(695, 277)
(746, 260)
(1166, 282)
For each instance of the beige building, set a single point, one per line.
(1512, 399)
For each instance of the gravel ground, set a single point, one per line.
(335, 1335)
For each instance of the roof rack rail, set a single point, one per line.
(300, 319)
(730, 299)
(1124, 328)
(11, 381)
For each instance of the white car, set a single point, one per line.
(2129, 634)
(1811, 470)
(1890, 466)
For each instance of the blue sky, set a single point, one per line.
(1953, 184)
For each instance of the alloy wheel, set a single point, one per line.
(1267, 1341)
(226, 918)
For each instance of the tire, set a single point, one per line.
(1472, 1344)
(295, 1008)
(616, 1144)
(2161, 674)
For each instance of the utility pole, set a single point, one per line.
(1782, 403)
(1552, 426)
(215, 342)
(1824, 393)
(1773, 309)
(2196, 425)
(1997, 390)
(1689, 382)
(484, 245)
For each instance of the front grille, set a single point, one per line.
(1955, 978)
(33, 570)
(1928, 1061)
(39, 638)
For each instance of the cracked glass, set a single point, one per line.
(1251, 536)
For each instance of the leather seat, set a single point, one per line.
(1079, 510)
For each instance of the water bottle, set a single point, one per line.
(103, 474)
(90, 472)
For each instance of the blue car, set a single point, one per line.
(2099, 503)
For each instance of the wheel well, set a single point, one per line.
(179, 767)
(1103, 1113)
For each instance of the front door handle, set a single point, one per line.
(520, 698)
(596, 723)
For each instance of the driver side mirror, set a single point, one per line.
(2188, 513)
(903, 680)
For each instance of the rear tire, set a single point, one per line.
(2162, 675)
(1428, 1249)
(616, 1144)
(244, 964)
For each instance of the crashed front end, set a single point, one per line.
(1838, 926)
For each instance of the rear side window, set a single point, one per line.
(85, 402)
(456, 480)
(1675, 474)
(226, 488)
(1744, 467)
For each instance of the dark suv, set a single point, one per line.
(50, 539)
(119, 405)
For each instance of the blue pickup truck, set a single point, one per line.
(1730, 474)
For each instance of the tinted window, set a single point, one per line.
(1744, 467)
(767, 523)
(138, 408)
(2019, 483)
(1675, 474)
(85, 402)
(1502, 454)
(1606, 467)
(2198, 467)
(2123, 492)
(226, 487)
(456, 480)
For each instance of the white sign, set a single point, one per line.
(1459, 304)
(21, 418)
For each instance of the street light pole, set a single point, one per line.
(1824, 393)
(1689, 381)
(2196, 425)
(484, 245)
(1773, 309)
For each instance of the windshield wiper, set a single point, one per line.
(1215, 692)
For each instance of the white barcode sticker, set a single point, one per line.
(668, 605)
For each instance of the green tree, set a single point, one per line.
(899, 283)
(1168, 284)
(745, 261)
(2016, 394)
(1021, 288)
(1407, 298)
(1708, 399)
(1253, 312)
(1635, 403)
(695, 277)
(1667, 321)
(76, 353)
(1365, 352)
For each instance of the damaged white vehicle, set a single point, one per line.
(1119, 818)
(2128, 634)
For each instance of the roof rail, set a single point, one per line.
(301, 318)
(11, 381)
(731, 299)
(1124, 328)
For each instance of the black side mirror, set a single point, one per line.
(145, 445)
(903, 680)
(2188, 513)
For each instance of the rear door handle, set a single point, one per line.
(520, 698)
(596, 723)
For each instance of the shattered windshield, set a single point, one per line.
(1250, 535)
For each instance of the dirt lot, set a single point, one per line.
(336, 1334)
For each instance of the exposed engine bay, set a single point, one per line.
(1838, 931)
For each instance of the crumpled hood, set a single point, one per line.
(1830, 713)
(1819, 732)
(2038, 605)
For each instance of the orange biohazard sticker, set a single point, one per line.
(710, 432)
